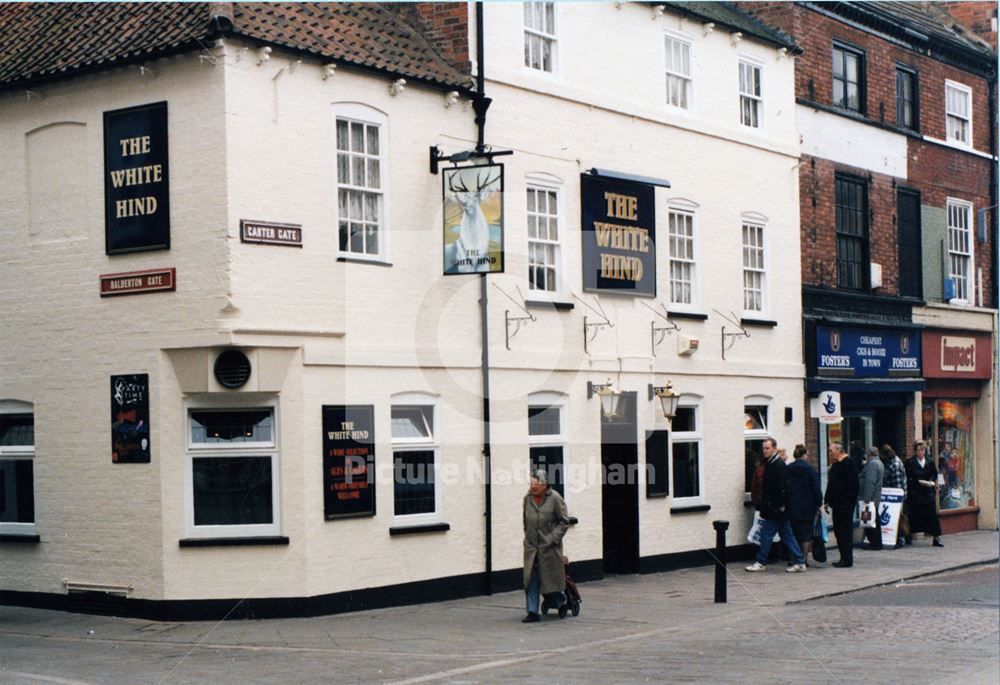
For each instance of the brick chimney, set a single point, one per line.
(446, 25)
(980, 16)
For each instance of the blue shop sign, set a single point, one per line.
(867, 353)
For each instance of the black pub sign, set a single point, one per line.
(130, 419)
(348, 461)
(136, 179)
(619, 236)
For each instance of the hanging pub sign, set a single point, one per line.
(136, 179)
(867, 353)
(473, 219)
(619, 236)
(130, 419)
(348, 461)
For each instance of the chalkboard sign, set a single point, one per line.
(348, 461)
(136, 179)
(130, 419)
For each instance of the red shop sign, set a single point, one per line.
(956, 354)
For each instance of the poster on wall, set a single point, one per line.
(130, 419)
(348, 461)
(473, 219)
(136, 179)
(619, 236)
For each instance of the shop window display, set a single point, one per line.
(948, 427)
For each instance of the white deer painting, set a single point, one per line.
(469, 252)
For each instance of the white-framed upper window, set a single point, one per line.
(756, 417)
(415, 446)
(960, 249)
(958, 113)
(544, 234)
(754, 267)
(540, 35)
(685, 452)
(751, 97)
(547, 437)
(683, 267)
(17, 468)
(362, 174)
(233, 475)
(679, 73)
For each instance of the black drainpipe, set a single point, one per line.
(995, 255)
(480, 104)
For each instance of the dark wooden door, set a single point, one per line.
(620, 491)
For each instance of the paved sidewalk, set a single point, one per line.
(631, 628)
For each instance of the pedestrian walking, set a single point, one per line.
(774, 511)
(870, 491)
(545, 524)
(895, 477)
(804, 499)
(841, 498)
(921, 494)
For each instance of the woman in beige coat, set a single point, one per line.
(545, 524)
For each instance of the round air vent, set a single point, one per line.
(232, 369)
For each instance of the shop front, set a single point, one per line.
(956, 365)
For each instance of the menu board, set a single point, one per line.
(348, 461)
(130, 419)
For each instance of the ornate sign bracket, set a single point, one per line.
(658, 333)
(729, 339)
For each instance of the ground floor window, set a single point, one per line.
(948, 430)
(686, 453)
(414, 459)
(547, 438)
(233, 472)
(17, 477)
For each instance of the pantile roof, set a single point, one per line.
(725, 14)
(46, 41)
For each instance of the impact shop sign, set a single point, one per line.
(867, 353)
(136, 179)
(130, 419)
(348, 461)
(619, 236)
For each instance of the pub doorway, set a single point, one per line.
(620, 488)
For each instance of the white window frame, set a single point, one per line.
(755, 220)
(550, 184)
(369, 116)
(533, 33)
(685, 208)
(244, 449)
(697, 437)
(949, 114)
(20, 453)
(757, 99)
(957, 254)
(669, 73)
(560, 439)
(420, 444)
(757, 433)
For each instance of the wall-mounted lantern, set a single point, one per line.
(668, 399)
(610, 398)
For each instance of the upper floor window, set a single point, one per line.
(754, 274)
(361, 175)
(848, 78)
(683, 267)
(678, 72)
(852, 233)
(543, 238)
(960, 249)
(414, 458)
(17, 468)
(750, 94)
(958, 112)
(906, 98)
(540, 35)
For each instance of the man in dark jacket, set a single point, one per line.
(804, 499)
(841, 497)
(774, 512)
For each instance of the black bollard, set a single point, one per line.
(720, 560)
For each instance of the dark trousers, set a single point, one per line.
(843, 519)
(874, 535)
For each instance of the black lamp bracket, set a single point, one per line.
(487, 153)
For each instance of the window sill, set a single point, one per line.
(234, 542)
(658, 495)
(763, 323)
(691, 509)
(549, 304)
(694, 316)
(359, 260)
(19, 537)
(417, 529)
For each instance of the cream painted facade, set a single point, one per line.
(251, 140)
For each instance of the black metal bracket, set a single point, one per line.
(437, 156)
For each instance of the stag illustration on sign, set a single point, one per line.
(473, 220)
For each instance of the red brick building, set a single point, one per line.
(897, 116)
